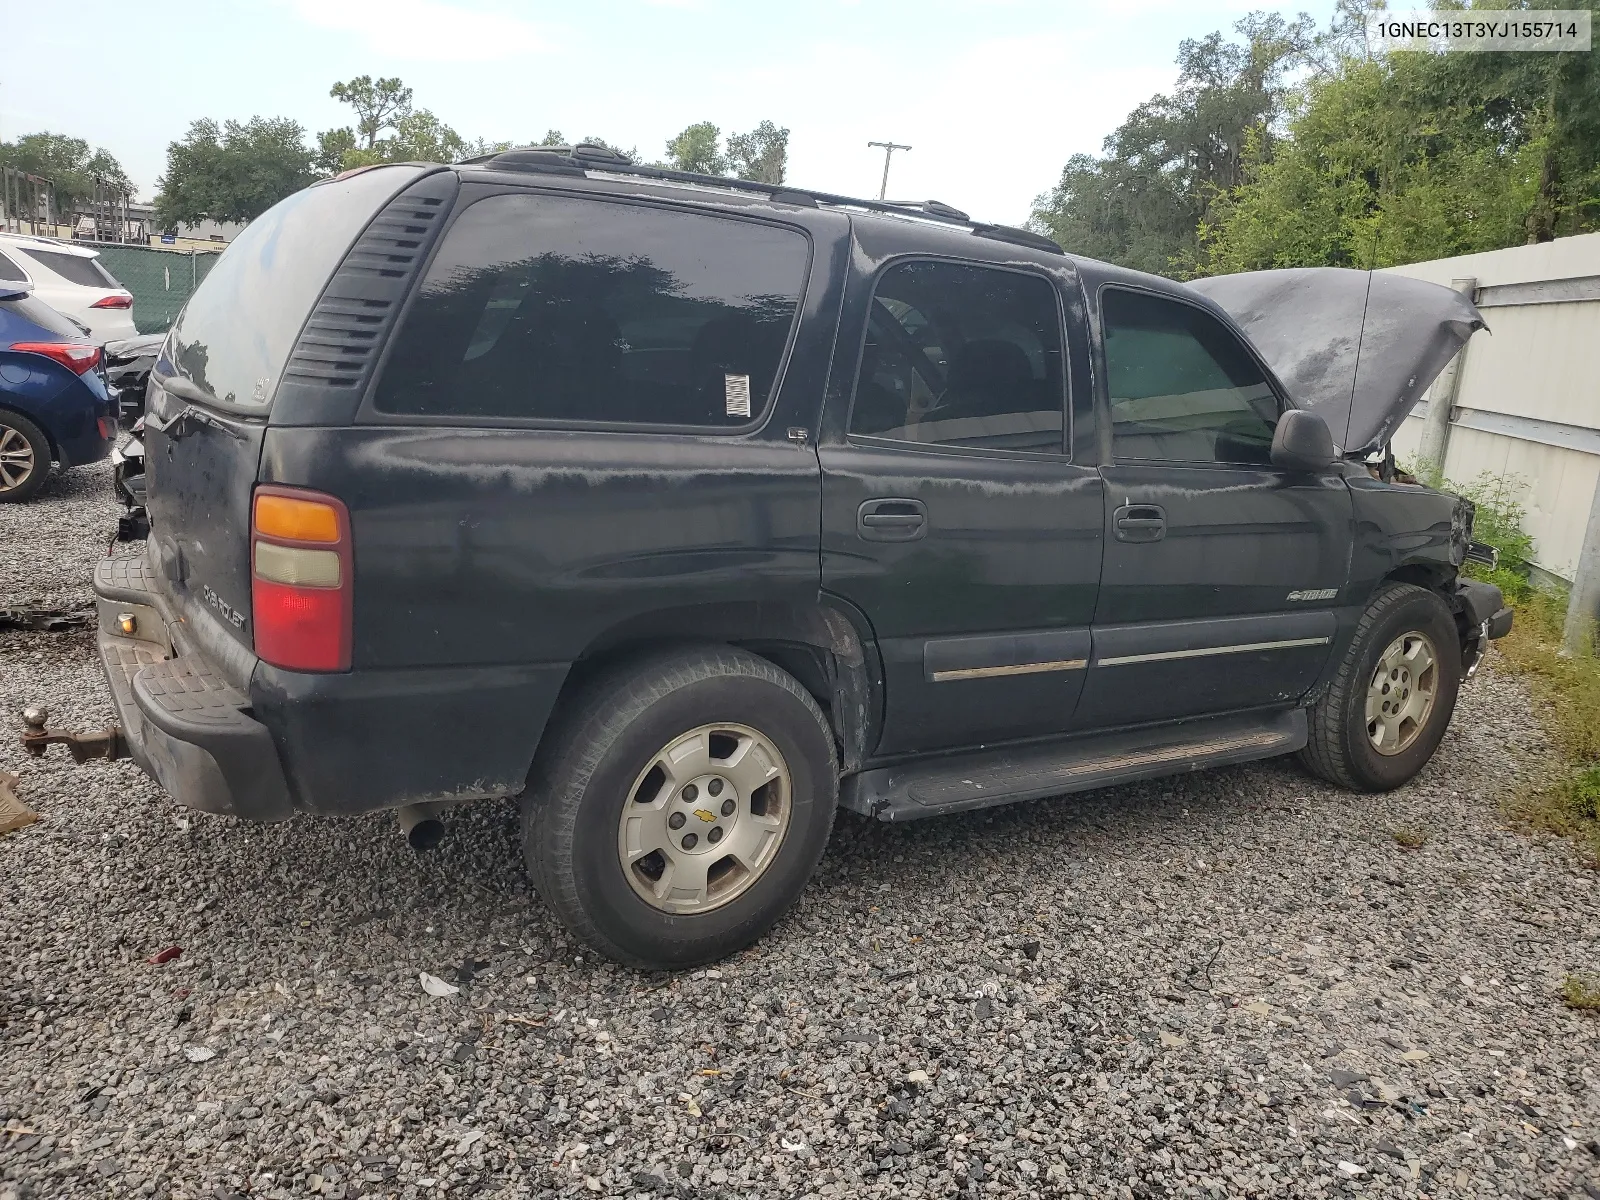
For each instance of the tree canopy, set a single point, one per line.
(1142, 203)
(232, 172)
(1290, 147)
(761, 155)
(389, 129)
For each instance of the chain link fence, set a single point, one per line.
(161, 280)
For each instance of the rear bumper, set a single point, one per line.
(267, 743)
(184, 725)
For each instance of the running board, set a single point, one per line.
(984, 778)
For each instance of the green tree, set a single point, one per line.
(1411, 156)
(1141, 203)
(68, 163)
(380, 104)
(697, 149)
(389, 129)
(232, 172)
(760, 155)
(334, 146)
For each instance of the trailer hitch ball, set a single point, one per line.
(99, 743)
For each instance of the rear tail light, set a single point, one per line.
(75, 356)
(300, 579)
(120, 300)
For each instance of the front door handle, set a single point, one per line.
(892, 519)
(1140, 523)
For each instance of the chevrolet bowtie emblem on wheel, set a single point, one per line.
(704, 815)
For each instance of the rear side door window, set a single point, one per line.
(552, 308)
(1182, 387)
(961, 355)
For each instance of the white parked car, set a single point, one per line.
(70, 280)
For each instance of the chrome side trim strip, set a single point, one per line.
(1060, 664)
(1207, 651)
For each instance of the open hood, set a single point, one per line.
(1358, 348)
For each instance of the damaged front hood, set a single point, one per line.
(1358, 348)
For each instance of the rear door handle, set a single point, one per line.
(892, 519)
(1140, 523)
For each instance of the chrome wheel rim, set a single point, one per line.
(1401, 696)
(705, 818)
(16, 459)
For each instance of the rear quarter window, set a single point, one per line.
(551, 308)
(235, 334)
(75, 268)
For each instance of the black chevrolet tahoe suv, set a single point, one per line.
(689, 509)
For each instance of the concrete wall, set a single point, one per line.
(1528, 400)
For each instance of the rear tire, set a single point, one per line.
(721, 713)
(24, 458)
(1374, 730)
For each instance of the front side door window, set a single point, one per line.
(1182, 388)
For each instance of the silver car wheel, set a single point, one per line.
(705, 818)
(1401, 695)
(16, 459)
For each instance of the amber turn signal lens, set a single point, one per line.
(296, 520)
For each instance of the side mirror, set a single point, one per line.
(14, 289)
(1302, 442)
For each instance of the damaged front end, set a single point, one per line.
(1358, 348)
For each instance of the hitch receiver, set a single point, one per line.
(100, 743)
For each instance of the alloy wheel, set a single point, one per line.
(16, 459)
(705, 818)
(1401, 695)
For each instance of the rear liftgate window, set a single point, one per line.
(557, 309)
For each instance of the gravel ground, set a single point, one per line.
(1235, 983)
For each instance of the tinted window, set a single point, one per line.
(10, 270)
(74, 268)
(959, 355)
(237, 330)
(1182, 386)
(41, 314)
(549, 308)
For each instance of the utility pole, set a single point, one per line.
(888, 149)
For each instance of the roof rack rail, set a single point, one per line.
(586, 156)
(1018, 237)
(935, 208)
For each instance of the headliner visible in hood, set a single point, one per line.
(1357, 347)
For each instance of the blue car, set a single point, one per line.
(54, 402)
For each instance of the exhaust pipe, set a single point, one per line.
(422, 825)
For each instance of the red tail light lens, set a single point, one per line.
(121, 300)
(301, 579)
(76, 357)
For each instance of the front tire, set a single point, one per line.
(1390, 702)
(680, 809)
(24, 457)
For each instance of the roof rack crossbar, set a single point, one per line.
(586, 156)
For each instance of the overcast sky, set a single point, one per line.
(993, 97)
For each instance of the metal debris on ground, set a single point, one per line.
(14, 814)
(45, 620)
